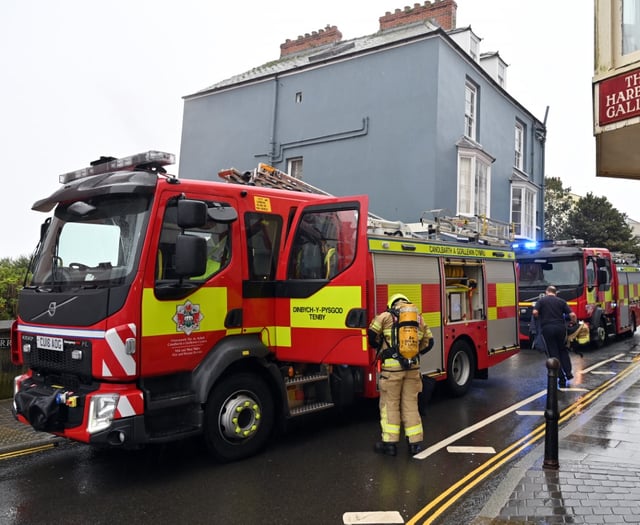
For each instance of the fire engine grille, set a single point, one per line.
(59, 360)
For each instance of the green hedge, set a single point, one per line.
(7, 372)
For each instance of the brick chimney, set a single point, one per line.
(328, 35)
(442, 12)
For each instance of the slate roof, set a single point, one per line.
(329, 52)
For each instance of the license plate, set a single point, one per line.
(50, 343)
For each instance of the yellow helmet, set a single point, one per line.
(396, 297)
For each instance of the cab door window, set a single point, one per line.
(263, 245)
(324, 244)
(217, 235)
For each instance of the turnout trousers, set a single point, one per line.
(399, 391)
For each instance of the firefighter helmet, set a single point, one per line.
(396, 297)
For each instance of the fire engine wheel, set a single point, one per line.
(600, 338)
(460, 368)
(238, 417)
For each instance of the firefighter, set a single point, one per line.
(552, 314)
(400, 379)
(217, 251)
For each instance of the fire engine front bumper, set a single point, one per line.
(40, 407)
(66, 414)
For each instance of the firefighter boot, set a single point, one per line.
(386, 448)
(415, 448)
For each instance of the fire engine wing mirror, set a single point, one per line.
(191, 214)
(223, 214)
(191, 255)
(603, 280)
(44, 228)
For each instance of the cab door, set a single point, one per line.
(321, 298)
(183, 317)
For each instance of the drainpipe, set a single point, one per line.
(541, 135)
(272, 140)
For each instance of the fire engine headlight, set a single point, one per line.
(101, 411)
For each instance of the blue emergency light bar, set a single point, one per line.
(108, 164)
(525, 246)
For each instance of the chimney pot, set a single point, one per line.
(329, 35)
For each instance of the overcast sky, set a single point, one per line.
(84, 78)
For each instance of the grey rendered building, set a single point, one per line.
(413, 115)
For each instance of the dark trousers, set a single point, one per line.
(554, 336)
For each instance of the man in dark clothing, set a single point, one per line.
(552, 313)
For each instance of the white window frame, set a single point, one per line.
(519, 146)
(524, 198)
(295, 167)
(474, 183)
(470, 109)
(611, 16)
(630, 27)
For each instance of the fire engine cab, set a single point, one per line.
(602, 290)
(158, 308)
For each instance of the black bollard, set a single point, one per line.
(551, 416)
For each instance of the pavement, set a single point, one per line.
(590, 475)
(15, 436)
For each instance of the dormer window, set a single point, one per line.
(474, 47)
(502, 73)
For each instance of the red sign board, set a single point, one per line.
(619, 98)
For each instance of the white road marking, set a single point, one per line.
(603, 372)
(455, 437)
(394, 517)
(382, 517)
(471, 450)
(601, 363)
(530, 412)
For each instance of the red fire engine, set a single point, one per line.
(160, 308)
(604, 292)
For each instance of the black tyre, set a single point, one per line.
(460, 368)
(599, 337)
(239, 417)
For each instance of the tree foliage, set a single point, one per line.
(12, 273)
(558, 203)
(590, 218)
(595, 220)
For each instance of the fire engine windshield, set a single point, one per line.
(543, 272)
(93, 243)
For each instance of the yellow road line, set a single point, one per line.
(25, 451)
(440, 504)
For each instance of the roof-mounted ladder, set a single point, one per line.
(437, 224)
(440, 227)
(270, 177)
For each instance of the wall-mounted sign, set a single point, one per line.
(619, 97)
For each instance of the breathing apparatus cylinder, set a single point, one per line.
(408, 344)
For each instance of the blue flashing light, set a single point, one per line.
(525, 245)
